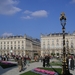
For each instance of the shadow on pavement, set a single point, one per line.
(2, 71)
(24, 68)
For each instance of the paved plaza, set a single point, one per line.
(15, 71)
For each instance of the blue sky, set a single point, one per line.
(33, 17)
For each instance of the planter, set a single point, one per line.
(6, 64)
(45, 71)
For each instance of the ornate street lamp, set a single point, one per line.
(65, 70)
(68, 52)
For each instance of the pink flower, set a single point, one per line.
(44, 71)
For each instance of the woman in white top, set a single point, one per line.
(69, 63)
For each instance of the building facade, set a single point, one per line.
(20, 45)
(52, 44)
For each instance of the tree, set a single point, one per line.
(53, 54)
(57, 54)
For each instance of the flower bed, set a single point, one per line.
(46, 72)
(6, 64)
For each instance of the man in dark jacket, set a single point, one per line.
(72, 63)
(48, 60)
(43, 61)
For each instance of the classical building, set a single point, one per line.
(20, 45)
(52, 44)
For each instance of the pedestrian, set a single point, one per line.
(48, 60)
(4, 58)
(27, 61)
(20, 64)
(0, 57)
(7, 57)
(41, 58)
(17, 58)
(72, 63)
(44, 61)
(69, 64)
(67, 61)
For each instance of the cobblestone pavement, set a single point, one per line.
(15, 71)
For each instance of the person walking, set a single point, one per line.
(48, 60)
(44, 61)
(23, 63)
(69, 64)
(67, 61)
(20, 64)
(41, 58)
(27, 61)
(72, 63)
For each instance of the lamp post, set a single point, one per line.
(68, 53)
(65, 70)
(67, 60)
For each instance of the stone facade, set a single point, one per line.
(20, 45)
(53, 43)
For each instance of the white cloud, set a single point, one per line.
(7, 34)
(40, 13)
(8, 7)
(36, 14)
(73, 1)
(27, 12)
(27, 17)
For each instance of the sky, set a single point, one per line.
(35, 17)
